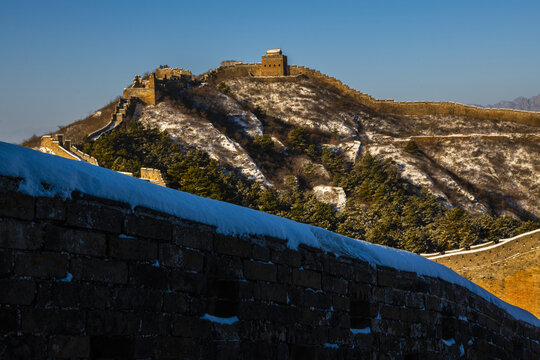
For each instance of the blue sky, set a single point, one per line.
(60, 60)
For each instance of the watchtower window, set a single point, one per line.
(222, 298)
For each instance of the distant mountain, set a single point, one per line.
(519, 103)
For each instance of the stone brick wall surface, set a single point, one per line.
(93, 278)
(510, 270)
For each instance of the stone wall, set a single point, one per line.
(153, 175)
(510, 270)
(93, 278)
(55, 145)
(425, 107)
(381, 106)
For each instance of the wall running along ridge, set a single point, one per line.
(386, 106)
(509, 269)
(89, 277)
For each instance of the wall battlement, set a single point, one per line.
(94, 278)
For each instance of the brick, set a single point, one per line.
(74, 295)
(260, 253)
(69, 347)
(271, 292)
(128, 248)
(20, 292)
(284, 274)
(254, 270)
(307, 278)
(17, 205)
(53, 321)
(74, 241)
(96, 216)
(340, 303)
(50, 209)
(182, 326)
(137, 299)
(106, 323)
(174, 256)
(42, 265)
(93, 269)
(175, 303)
(6, 261)
(318, 300)
(148, 227)
(334, 284)
(16, 234)
(112, 347)
(200, 237)
(8, 321)
(231, 245)
(287, 257)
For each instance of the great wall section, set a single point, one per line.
(509, 268)
(92, 277)
(257, 72)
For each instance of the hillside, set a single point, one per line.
(309, 142)
(519, 103)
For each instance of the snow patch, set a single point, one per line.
(220, 320)
(361, 331)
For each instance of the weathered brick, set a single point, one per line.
(271, 292)
(16, 234)
(50, 209)
(17, 205)
(284, 274)
(105, 323)
(259, 252)
(130, 248)
(53, 321)
(43, 265)
(99, 270)
(148, 227)
(17, 291)
(96, 216)
(254, 270)
(287, 257)
(137, 299)
(318, 300)
(74, 241)
(334, 284)
(74, 295)
(195, 237)
(307, 278)
(340, 303)
(231, 245)
(6, 261)
(182, 326)
(174, 256)
(8, 320)
(175, 303)
(69, 347)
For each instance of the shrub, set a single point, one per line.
(412, 147)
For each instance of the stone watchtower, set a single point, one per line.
(274, 63)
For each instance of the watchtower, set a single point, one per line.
(274, 63)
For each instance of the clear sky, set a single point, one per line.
(60, 60)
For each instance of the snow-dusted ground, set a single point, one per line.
(65, 176)
(201, 134)
(493, 156)
(332, 195)
(296, 103)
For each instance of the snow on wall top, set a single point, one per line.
(65, 176)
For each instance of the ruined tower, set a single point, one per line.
(274, 63)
